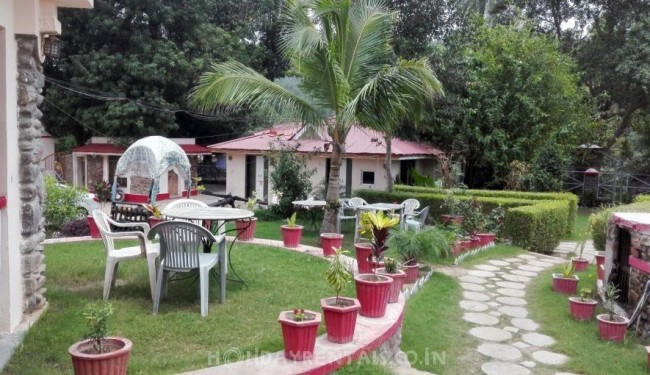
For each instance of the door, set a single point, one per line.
(250, 178)
(404, 171)
(172, 184)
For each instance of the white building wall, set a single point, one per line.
(371, 165)
(11, 293)
(236, 174)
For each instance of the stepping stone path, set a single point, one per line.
(494, 303)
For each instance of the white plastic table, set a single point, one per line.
(220, 215)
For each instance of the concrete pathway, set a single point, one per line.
(494, 303)
(566, 249)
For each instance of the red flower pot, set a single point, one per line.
(600, 264)
(582, 310)
(475, 242)
(246, 228)
(299, 337)
(579, 264)
(466, 245)
(154, 221)
(340, 321)
(363, 251)
(562, 284)
(452, 219)
(486, 238)
(330, 241)
(456, 248)
(372, 292)
(94, 230)
(612, 330)
(111, 363)
(291, 235)
(412, 272)
(396, 286)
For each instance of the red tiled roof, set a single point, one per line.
(360, 142)
(111, 149)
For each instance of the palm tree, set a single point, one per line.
(341, 50)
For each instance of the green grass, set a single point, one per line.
(178, 338)
(581, 225)
(579, 340)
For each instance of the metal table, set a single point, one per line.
(217, 217)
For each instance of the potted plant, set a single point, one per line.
(398, 276)
(610, 325)
(246, 227)
(412, 245)
(373, 289)
(299, 329)
(565, 282)
(156, 215)
(451, 205)
(102, 195)
(340, 312)
(291, 232)
(582, 308)
(579, 263)
(472, 212)
(490, 225)
(100, 354)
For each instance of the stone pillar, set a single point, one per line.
(30, 83)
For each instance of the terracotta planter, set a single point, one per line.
(396, 286)
(246, 228)
(562, 284)
(486, 238)
(111, 363)
(363, 252)
(451, 219)
(475, 242)
(412, 272)
(582, 310)
(94, 230)
(372, 292)
(330, 241)
(466, 245)
(299, 337)
(579, 264)
(456, 248)
(340, 320)
(291, 235)
(609, 330)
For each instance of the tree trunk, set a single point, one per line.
(622, 127)
(332, 198)
(387, 163)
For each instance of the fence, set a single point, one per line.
(610, 187)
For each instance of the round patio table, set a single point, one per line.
(217, 216)
(308, 205)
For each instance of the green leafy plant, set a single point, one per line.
(291, 176)
(103, 192)
(97, 319)
(472, 212)
(610, 294)
(61, 204)
(337, 275)
(568, 270)
(390, 265)
(495, 219)
(291, 220)
(252, 200)
(451, 203)
(154, 209)
(413, 245)
(197, 183)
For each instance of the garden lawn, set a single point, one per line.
(581, 225)
(579, 340)
(178, 338)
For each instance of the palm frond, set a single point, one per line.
(233, 84)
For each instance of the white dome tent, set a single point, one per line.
(151, 157)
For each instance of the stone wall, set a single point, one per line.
(95, 168)
(140, 185)
(30, 83)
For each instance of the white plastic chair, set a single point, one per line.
(356, 202)
(410, 205)
(346, 212)
(181, 250)
(187, 203)
(114, 255)
(418, 221)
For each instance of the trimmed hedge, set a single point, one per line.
(601, 219)
(571, 198)
(535, 221)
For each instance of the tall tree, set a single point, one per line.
(418, 23)
(340, 49)
(127, 65)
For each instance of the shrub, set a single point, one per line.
(290, 177)
(61, 204)
(75, 228)
(538, 227)
(547, 171)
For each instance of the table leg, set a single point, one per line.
(222, 271)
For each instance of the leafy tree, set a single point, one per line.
(508, 92)
(341, 52)
(418, 23)
(127, 65)
(291, 177)
(548, 168)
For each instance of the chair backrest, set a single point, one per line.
(410, 205)
(186, 203)
(356, 202)
(101, 219)
(422, 217)
(180, 244)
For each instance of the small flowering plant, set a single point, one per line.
(299, 315)
(154, 209)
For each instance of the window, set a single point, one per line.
(368, 177)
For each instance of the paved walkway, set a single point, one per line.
(494, 303)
